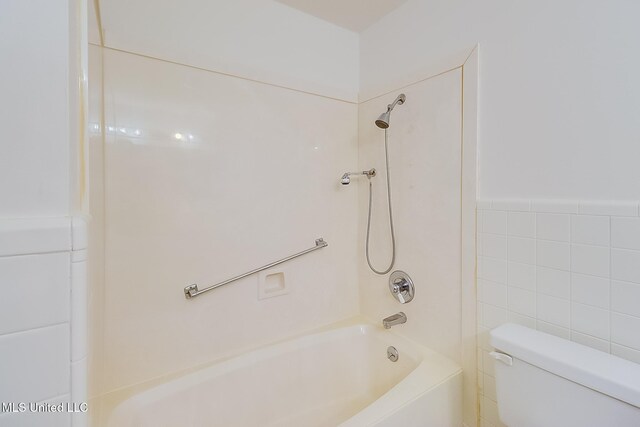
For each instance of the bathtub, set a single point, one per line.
(338, 377)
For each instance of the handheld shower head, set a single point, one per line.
(383, 121)
(346, 178)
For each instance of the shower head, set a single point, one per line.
(345, 180)
(383, 120)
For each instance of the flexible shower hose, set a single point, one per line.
(393, 236)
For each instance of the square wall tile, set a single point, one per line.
(522, 250)
(43, 298)
(625, 298)
(553, 310)
(489, 410)
(550, 328)
(625, 330)
(590, 290)
(522, 275)
(493, 269)
(625, 265)
(488, 364)
(522, 224)
(625, 353)
(489, 387)
(553, 227)
(494, 246)
(553, 254)
(588, 340)
(588, 259)
(484, 338)
(495, 222)
(493, 316)
(494, 294)
(41, 419)
(522, 301)
(590, 320)
(526, 321)
(35, 364)
(625, 233)
(553, 282)
(590, 229)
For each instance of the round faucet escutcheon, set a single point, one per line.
(401, 287)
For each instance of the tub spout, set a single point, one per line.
(394, 319)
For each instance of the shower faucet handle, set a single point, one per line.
(401, 286)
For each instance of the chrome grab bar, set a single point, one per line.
(193, 291)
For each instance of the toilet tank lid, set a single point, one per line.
(603, 372)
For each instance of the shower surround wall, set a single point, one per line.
(213, 168)
(209, 176)
(425, 135)
(162, 190)
(432, 168)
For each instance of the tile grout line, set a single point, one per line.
(571, 221)
(610, 264)
(535, 261)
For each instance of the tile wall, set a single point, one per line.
(568, 268)
(43, 344)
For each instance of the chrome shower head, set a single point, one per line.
(383, 120)
(345, 180)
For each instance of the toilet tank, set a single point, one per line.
(546, 381)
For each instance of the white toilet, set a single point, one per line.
(546, 381)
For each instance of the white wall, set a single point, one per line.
(34, 111)
(256, 39)
(557, 88)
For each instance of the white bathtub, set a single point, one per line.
(340, 377)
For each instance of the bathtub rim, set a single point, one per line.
(442, 369)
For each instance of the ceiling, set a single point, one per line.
(354, 15)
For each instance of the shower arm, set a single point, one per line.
(369, 174)
(399, 100)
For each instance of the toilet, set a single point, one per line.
(546, 381)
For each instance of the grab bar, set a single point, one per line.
(193, 291)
